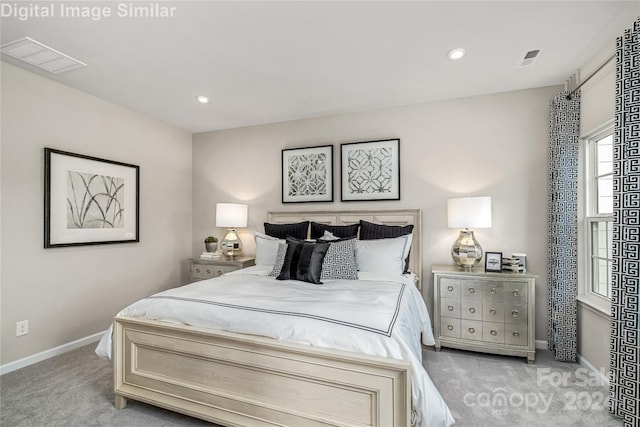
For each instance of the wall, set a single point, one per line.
(71, 293)
(494, 145)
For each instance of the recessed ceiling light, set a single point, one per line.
(202, 99)
(456, 53)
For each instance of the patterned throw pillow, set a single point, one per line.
(340, 261)
(303, 261)
(277, 266)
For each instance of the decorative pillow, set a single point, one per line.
(382, 255)
(281, 231)
(277, 266)
(340, 260)
(317, 230)
(266, 248)
(303, 261)
(370, 231)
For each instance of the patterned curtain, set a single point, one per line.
(563, 226)
(624, 388)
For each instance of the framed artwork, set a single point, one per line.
(370, 170)
(493, 262)
(307, 174)
(89, 201)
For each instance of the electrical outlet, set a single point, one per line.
(22, 328)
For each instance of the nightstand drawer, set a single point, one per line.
(449, 288)
(450, 307)
(471, 330)
(493, 332)
(450, 327)
(200, 271)
(515, 336)
(493, 311)
(515, 313)
(471, 309)
(471, 289)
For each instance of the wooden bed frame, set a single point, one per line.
(245, 380)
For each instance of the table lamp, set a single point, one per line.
(467, 213)
(231, 216)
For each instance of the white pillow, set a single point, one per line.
(266, 249)
(383, 255)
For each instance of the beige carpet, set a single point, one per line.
(75, 389)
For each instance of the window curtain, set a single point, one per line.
(624, 367)
(563, 226)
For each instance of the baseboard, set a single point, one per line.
(542, 345)
(47, 354)
(602, 377)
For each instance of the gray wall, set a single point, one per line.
(494, 145)
(71, 293)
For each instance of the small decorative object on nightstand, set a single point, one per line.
(209, 268)
(484, 311)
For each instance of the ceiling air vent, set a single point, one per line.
(41, 56)
(528, 58)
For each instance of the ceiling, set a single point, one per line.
(263, 62)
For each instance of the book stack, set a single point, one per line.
(512, 264)
(210, 255)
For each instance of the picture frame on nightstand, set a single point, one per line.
(493, 262)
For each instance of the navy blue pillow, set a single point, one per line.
(281, 231)
(303, 261)
(317, 230)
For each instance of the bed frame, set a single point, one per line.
(244, 380)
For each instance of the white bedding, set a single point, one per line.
(381, 315)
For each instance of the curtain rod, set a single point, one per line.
(572, 92)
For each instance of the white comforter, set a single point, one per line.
(377, 314)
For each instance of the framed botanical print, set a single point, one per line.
(370, 170)
(89, 201)
(307, 174)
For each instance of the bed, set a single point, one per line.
(336, 363)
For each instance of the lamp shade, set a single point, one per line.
(231, 215)
(469, 212)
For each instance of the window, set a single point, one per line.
(599, 211)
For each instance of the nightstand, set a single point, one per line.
(206, 269)
(486, 312)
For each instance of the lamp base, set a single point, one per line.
(231, 245)
(466, 251)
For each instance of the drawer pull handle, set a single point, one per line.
(494, 332)
(515, 313)
(450, 327)
(197, 270)
(472, 310)
(208, 271)
(450, 308)
(516, 293)
(472, 290)
(493, 311)
(516, 334)
(472, 330)
(450, 288)
(494, 291)
(219, 272)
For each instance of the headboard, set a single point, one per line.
(348, 217)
